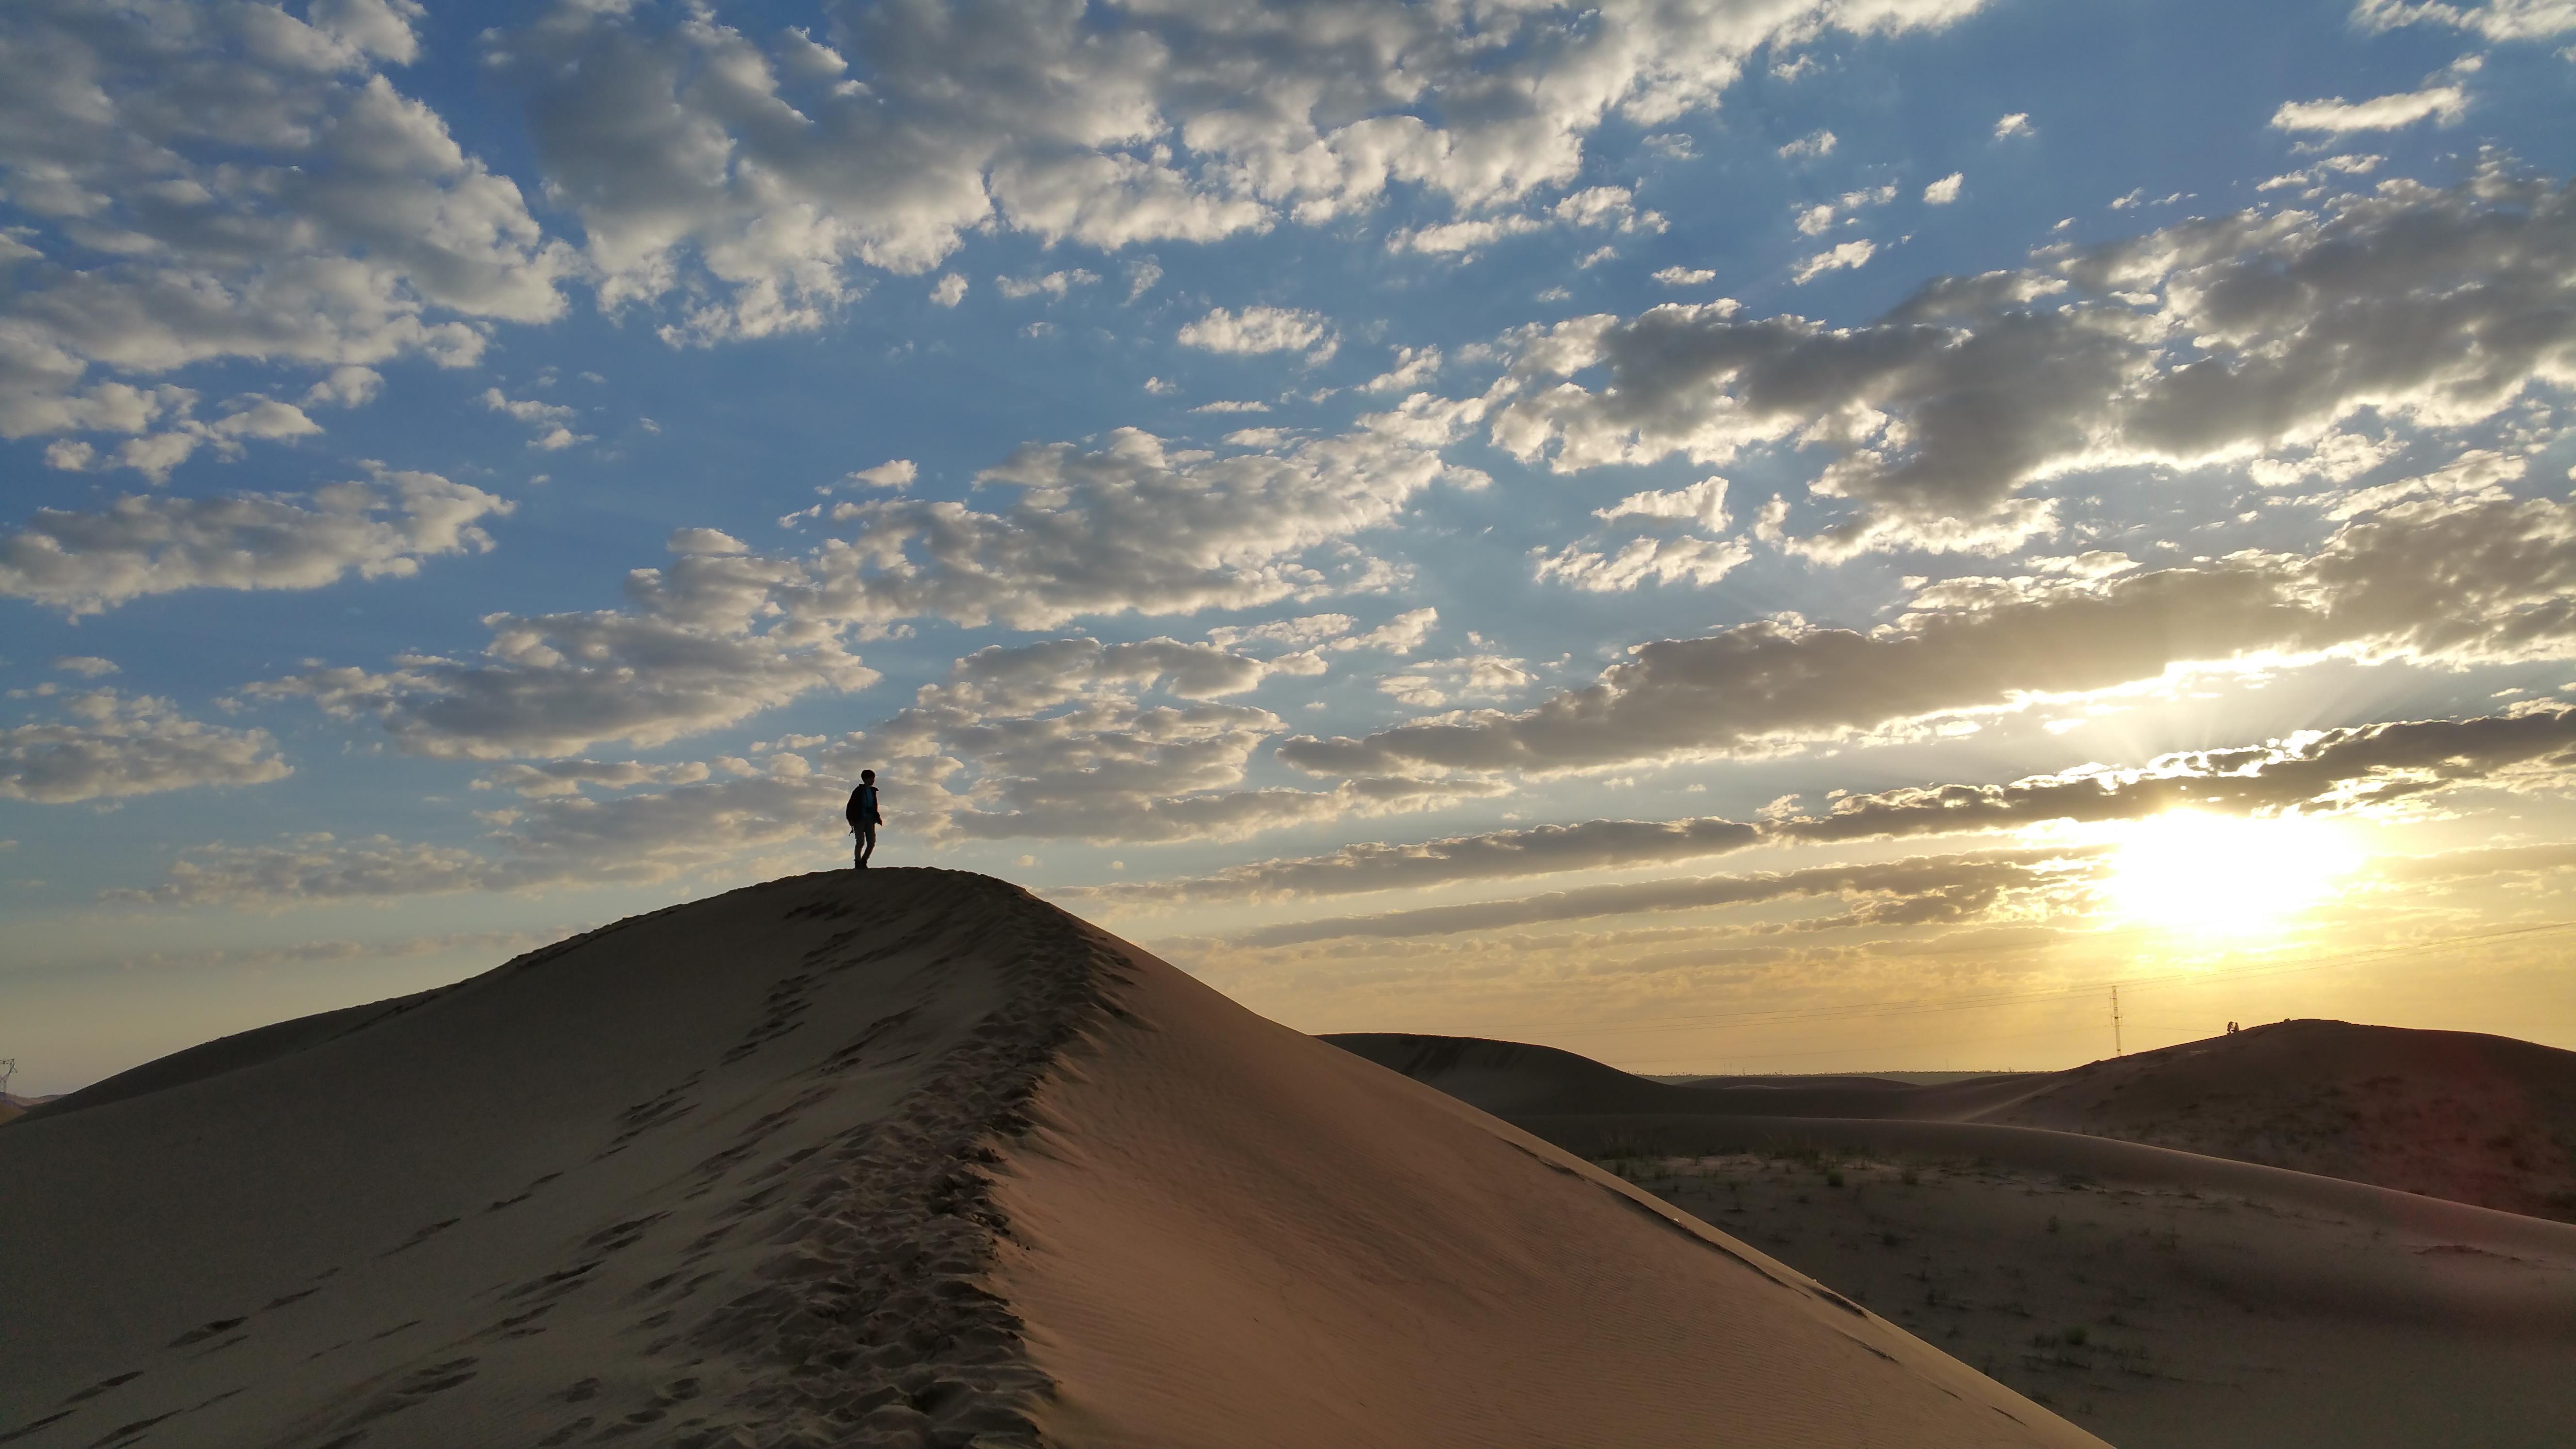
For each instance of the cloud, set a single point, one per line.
(236, 182)
(571, 777)
(717, 829)
(719, 170)
(2442, 104)
(1053, 284)
(1232, 407)
(1262, 329)
(1850, 255)
(2016, 124)
(1134, 526)
(2362, 766)
(1685, 276)
(1501, 855)
(1056, 740)
(1945, 190)
(1919, 890)
(1598, 567)
(894, 474)
(2436, 308)
(1819, 143)
(2442, 582)
(552, 421)
(2358, 767)
(1703, 503)
(2496, 19)
(705, 647)
(83, 563)
(725, 632)
(113, 746)
(949, 290)
(1430, 683)
(89, 666)
(1642, 561)
(1414, 366)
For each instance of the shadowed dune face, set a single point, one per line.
(903, 1159)
(2473, 1118)
(2477, 1119)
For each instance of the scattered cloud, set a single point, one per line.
(1053, 284)
(86, 562)
(948, 291)
(1262, 329)
(1414, 366)
(2494, 19)
(552, 422)
(1919, 890)
(2441, 104)
(247, 184)
(2016, 124)
(1850, 254)
(111, 746)
(1685, 276)
(703, 648)
(1129, 527)
(2394, 585)
(894, 474)
(710, 166)
(1942, 410)
(1815, 143)
(1945, 190)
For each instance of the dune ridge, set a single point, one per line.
(910, 1158)
(2478, 1119)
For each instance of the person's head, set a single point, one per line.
(867, 777)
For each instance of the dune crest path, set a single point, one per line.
(901, 1158)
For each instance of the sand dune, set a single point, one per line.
(2475, 1119)
(909, 1158)
(2209, 1300)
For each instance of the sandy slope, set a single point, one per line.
(2163, 1315)
(2454, 1114)
(2216, 1301)
(2476, 1119)
(908, 1158)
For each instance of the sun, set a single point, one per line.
(2226, 875)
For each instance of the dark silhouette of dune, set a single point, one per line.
(908, 1158)
(2477, 1119)
(1512, 1079)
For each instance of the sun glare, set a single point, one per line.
(2213, 873)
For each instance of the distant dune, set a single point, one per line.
(2476, 1119)
(12, 1106)
(2165, 1299)
(908, 1158)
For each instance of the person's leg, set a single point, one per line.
(867, 844)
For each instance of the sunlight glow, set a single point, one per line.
(2223, 875)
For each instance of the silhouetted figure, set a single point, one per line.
(863, 816)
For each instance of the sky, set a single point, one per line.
(1723, 535)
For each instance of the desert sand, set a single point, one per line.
(2473, 1118)
(2155, 1296)
(902, 1158)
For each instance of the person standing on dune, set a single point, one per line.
(863, 816)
